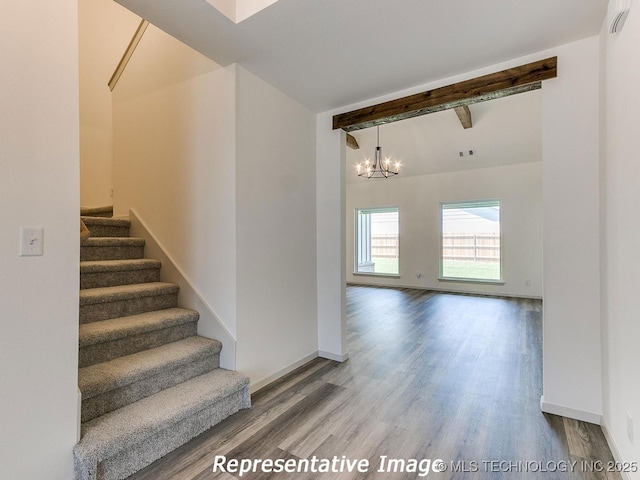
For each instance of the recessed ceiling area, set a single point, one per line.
(327, 54)
(505, 131)
(239, 10)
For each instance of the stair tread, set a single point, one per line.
(92, 296)
(107, 221)
(112, 242)
(123, 371)
(122, 327)
(119, 430)
(98, 266)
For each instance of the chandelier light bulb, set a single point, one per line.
(380, 168)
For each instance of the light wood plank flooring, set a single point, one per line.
(430, 375)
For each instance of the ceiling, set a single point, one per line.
(505, 131)
(330, 53)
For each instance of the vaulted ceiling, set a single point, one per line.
(506, 131)
(331, 53)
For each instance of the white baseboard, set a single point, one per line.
(255, 386)
(79, 432)
(444, 290)
(569, 412)
(613, 447)
(334, 356)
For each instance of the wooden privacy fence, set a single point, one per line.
(455, 246)
(483, 247)
(384, 245)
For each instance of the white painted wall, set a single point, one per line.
(330, 227)
(276, 230)
(105, 30)
(570, 149)
(221, 168)
(174, 152)
(518, 187)
(39, 185)
(571, 278)
(621, 234)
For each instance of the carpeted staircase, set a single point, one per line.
(149, 383)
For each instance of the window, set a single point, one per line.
(377, 241)
(471, 241)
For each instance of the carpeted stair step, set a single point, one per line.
(111, 385)
(105, 211)
(124, 441)
(120, 301)
(108, 273)
(111, 248)
(108, 339)
(107, 227)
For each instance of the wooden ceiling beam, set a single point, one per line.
(352, 142)
(495, 85)
(464, 115)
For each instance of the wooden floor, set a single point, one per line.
(430, 376)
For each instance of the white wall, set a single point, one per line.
(220, 166)
(621, 234)
(570, 149)
(519, 187)
(39, 185)
(174, 152)
(105, 30)
(331, 251)
(276, 230)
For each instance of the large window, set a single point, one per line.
(377, 241)
(471, 241)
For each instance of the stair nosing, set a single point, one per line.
(101, 209)
(117, 265)
(106, 221)
(95, 296)
(113, 329)
(92, 242)
(129, 369)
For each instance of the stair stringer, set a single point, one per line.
(209, 325)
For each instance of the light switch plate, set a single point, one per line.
(31, 241)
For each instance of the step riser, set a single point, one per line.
(107, 230)
(144, 453)
(107, 402)
(103, 352)
(110, 279)
(123, 308)
(111, 253)
(102, 212)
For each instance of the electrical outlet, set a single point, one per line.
(527, 283)
(630, 428)
(111, 192)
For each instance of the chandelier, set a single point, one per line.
(379, 168)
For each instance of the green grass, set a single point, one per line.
(450, 268)
(470, 269)
(386, 265)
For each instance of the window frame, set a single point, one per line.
(490, 281)
(356, 235)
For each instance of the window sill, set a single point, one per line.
(471, 280)
(372, 274)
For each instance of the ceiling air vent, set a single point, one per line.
(617, 14)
